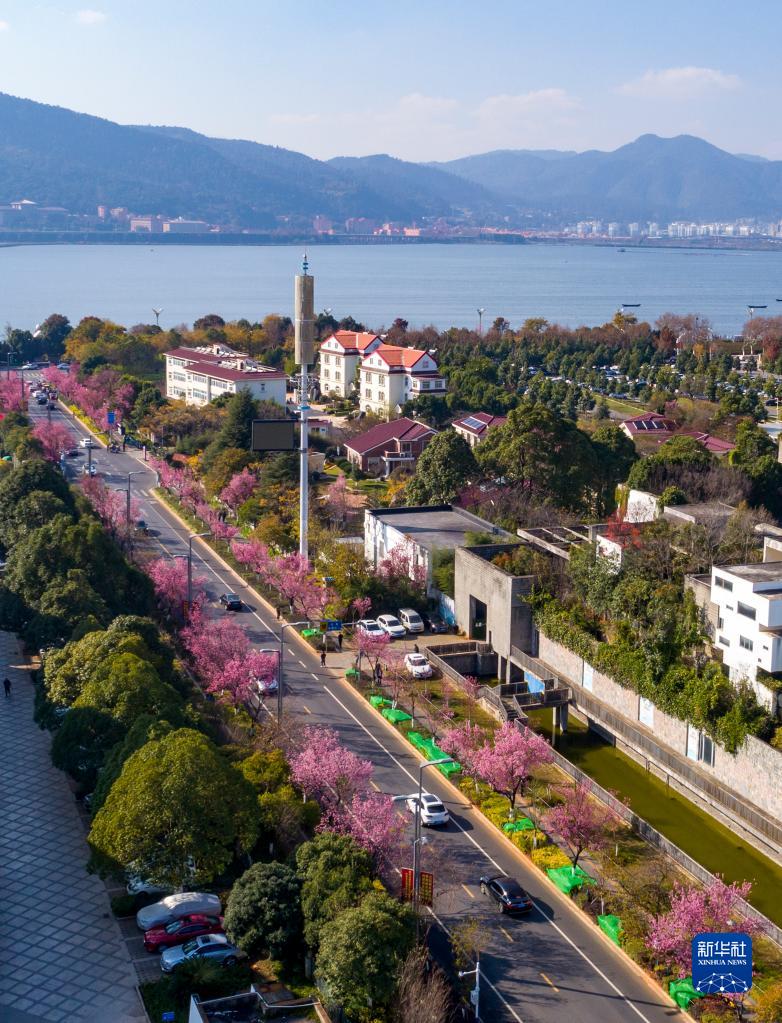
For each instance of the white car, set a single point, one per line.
(89, 470)
(391, 625)
(418, 666)
(173, 906)
(86, 442)
(411, 619)
(138, 886)
(370, 627)
(433, 812)
(265, 687)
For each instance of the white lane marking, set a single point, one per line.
(314, 676)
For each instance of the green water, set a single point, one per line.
(705, 839)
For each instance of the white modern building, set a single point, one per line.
(340, 356)
(198, 375)
(389, 376)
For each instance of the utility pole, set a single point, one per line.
(304, 303)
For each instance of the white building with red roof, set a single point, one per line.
(389, 376)
(340, 356)
(198, 375)
(649, 424)
(475, 427)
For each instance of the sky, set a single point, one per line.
(419, 79)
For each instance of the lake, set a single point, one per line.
(439, 284)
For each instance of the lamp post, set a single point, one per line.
(281, 674)
(193, 536)
(481, 311)
(475, 994)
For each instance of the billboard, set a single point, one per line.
(273, 435)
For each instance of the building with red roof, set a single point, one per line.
(650, 424)
(340, 356)
(389, 446)
(390, 375)
(198, 375)
(475, 426)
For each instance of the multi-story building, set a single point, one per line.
(340, 356)
(389, 446)
(198, 375)
(389, 376)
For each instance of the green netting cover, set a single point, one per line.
(682, 992)
(449, 769)
(351, 673)
(610, 925)
(309, 633)
(395, 715)
(569, 878)
(379, 701)
(522, 824)
(417, 740)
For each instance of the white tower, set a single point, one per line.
(304, 304)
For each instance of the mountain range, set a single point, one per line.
(59, 157)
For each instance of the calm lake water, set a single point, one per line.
(438, 284)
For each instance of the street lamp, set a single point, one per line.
(281, 678)
(481, 311)
(475, 994)
(193, 536)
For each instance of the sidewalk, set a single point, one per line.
(61, 954)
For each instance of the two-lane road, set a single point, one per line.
(548, 967)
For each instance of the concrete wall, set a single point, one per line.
(508, 617)
(754, 772)
(642, 507)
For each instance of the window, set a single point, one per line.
(587, 677)
(723, 641)
(720, 622)
(426, 385)
(745, 644)
(699, 746)
(746, 610)
(381, 395)
(368, 392)
(724, 584)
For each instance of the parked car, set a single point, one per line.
(231, 601)
(172, 907)
(418, 666)
(391, 625)
(179, 931)
(214, 947)
(507, 893)
(63, 365)
(411, 619)
(86, 442)
(433, 812)
(137, 885)
(369, 626)
(434, 623)
(73, 453)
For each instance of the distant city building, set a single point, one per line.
(389, 376)
(198, 375)
(360, 225)
(146, 224)
(322, 225)
(181, 226)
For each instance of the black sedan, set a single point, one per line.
(231, 601)
(507, 893)
(434, 623)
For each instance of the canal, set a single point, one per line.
(710, 843)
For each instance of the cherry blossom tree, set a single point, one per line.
(234, 679)
(361, 607)
(255, 556)
(238, 489)
(372, 820)
(401, 564)
(507, 762)
(581, 821)
(110, 506)
(462, 741)
(169, 578)
(55, 439)
(12, 397)
(213, 643)
(325, 770)
(337, 502)
(693, 911)
(373, 646)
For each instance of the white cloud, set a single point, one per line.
(679, 82)
(4, 26)
(528, 105)
(89, 17)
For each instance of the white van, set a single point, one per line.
(411, 619)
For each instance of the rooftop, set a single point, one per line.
(398, 429)
(478, 422)
(439, 526)
(707, 513)
(393, 355)
(560, 540)
(764, 572)
(223, 363)
(649, 422)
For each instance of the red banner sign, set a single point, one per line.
(426, 888)
(408, 883)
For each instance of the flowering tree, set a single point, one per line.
(212, 644)
(234, 679)
(693, 911)
(325, 770)
(110, 506)
(373, 646)
(372, 820)
(169, 578)
(462, 741)
(255, 556)
(507, 763)
(337, 501)
(238, 489)
(401, 565)
(580, 821)
(361, 607)
(55, 439)
(295, 580)
(12, 396)
(470, 686)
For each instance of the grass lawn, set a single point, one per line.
(632, 408)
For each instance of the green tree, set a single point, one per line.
(263, 912)
(236, 431)
(125, 687)
(360, 953)
(176, 799)
(53, 332)
(336, 874)
(768, 1004)
(680, 452)
(144, 729)
(445, 465)
(30, 513)
(431, 408)
(81, 743)
(282, 814)
(615, 457)
(35, 475)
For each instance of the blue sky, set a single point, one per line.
(420, 79)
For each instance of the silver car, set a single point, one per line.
(214, 947)
(173, 906)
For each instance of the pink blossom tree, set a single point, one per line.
(12, 397)
(238, 489)
(507, 762)
(581, 821)
(361, 607)
(462, 741)
(110, 506)
(169, 578)
(212, 644)
(325, 770)
(693, 911)
(55, 439)
(372, 820)
(337, 502)
(373, 646)
(401, 565)
(234, 679)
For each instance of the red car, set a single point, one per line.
(181, 930)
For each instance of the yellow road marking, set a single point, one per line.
(468, 891)
(507, 935)
(549, 982)
(374, 785)
(306, 708)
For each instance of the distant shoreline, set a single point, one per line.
(12, 239)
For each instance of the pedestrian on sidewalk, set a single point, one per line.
(339, 641)
(7, 685)
(323, 658)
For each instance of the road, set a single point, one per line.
(549, 966)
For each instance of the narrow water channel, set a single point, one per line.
(705, 839)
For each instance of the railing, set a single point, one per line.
(655, 838)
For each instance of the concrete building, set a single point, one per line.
(181, 226)
(198, 375)
(435, 528)
(340, 356)
(476, 426)
(389, 376)
(146, 225)
(388, 446)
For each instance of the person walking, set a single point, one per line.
(339, 641)
(323, 658)
(7, 685)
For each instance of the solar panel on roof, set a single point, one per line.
(473, 424)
